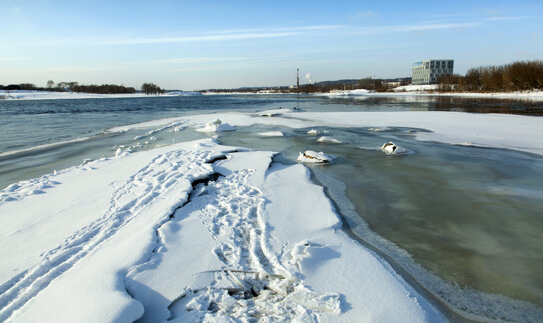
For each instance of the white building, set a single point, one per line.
(428, 71)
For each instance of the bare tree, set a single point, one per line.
(150, 88)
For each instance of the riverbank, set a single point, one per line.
(432, 90)
(403, 91)
(44, 95)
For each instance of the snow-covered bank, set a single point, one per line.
(431, 91)
(114, 241)
(44, 95)
(402, 91)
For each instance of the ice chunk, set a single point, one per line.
(329, 140)
(310, 156)
(381, 129)
(216, 126)
(390, 148)
(272, 134)
(313, 132)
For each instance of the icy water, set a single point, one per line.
(469, 218)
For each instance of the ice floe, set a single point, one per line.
(271, 134)
(216, 126)
(390, 148)
(202, 241)
(206, 232)
(329, 140)
(313, 157)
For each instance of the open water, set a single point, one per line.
(464, 223)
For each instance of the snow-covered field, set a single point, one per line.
(199, 231)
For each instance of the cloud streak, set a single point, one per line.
(225, 35)
(417, 27)
(507, 18)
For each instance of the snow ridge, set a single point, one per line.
(128, 201)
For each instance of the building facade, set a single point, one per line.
(428, 71)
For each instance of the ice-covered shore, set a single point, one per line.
(45, 95)
(201, 231)
(191, 231)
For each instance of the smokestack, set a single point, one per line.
(297, 78)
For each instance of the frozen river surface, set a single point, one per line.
(458, 214)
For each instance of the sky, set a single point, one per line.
(191, 45)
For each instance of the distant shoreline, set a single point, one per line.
(45, 95)
(404, 91)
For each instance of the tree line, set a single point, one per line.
(517, 76)
(147, 88)
(150, 88)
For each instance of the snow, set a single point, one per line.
(243, 245)
(429, 90)
(216, 126)
(113, 240)
(350, 92)
(390, 148)
(401, 91)
(45, 95)
(72, 233)
(516, 132)
(412, 88)
(522, 133)
(271, 134)
(313, 157)
(328, 139)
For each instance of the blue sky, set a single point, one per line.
(220, 44)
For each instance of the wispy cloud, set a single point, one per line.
(498, 18)
(415, 27)
(192, 60)
(210, 60)
(224, 35)
(275, 29)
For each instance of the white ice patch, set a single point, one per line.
(313, 132)
(122, 151)
(380, 129)
(390, 148)
(272, 134)
(174, 127)
(216, 126)
(330, 140)
(313, 157)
